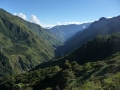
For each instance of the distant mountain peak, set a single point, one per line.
(102, 18)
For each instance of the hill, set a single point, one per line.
(93, 66)
(23, 44)
(103, 26)
(41, 32)
(64, 32)
(97, 49)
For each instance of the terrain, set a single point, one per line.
(23, 44)
(103, 26)
(64, 32)
(72, 72)
(30, 56)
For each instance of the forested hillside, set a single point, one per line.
(103, 26)
(41, 32)
(59, 44)
(93, 66)
(23, 44)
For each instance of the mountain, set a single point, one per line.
(93, 66)
(23, 44)
(37, 29)
(64, 32)
(103, 26)
(100, 48)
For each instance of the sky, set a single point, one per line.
(48, 13)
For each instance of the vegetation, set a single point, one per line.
(26, 49)
(103, 27)
(98, 49)
(23, 44)
(98, 72)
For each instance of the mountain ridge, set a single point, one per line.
(102, 26)
(68, 73)
(64, 32)
(24, 44)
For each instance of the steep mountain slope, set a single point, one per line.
(98, 49)
(21, 47)
(40, 32)
(64, 32)
(99, 69)
(103, 26)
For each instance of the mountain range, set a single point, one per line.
(94, 66)
(64, 32)
(103, 27)
(67, 57)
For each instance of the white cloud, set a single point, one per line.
(59, 23)
(48, 25)
(15, 14)
(21, 15)
(84, 27)
(74, 22)
(109, 17)
(34, 19)
(66, 23)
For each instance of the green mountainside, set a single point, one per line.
(100, 48)
(103, 26)
(40, 32)
(93, 66)
(27, 56)
(23, 44)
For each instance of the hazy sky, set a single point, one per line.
(52, 12)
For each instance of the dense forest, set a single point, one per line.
(93, 66)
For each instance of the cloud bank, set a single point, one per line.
(66, 23)
(23, 16)
(34, 19)
(109, 17)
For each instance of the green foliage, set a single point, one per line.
(90, 85)
(100, 48)
(103, 27)
(93, 66)
(24, 44)
(96, 70)
(87, 66)
(112, 81)
(48, 88)
(72, 77)
(4, 65)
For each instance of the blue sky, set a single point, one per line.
(53, 12)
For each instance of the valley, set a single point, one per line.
(64, 57)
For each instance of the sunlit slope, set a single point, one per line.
(21, 45)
